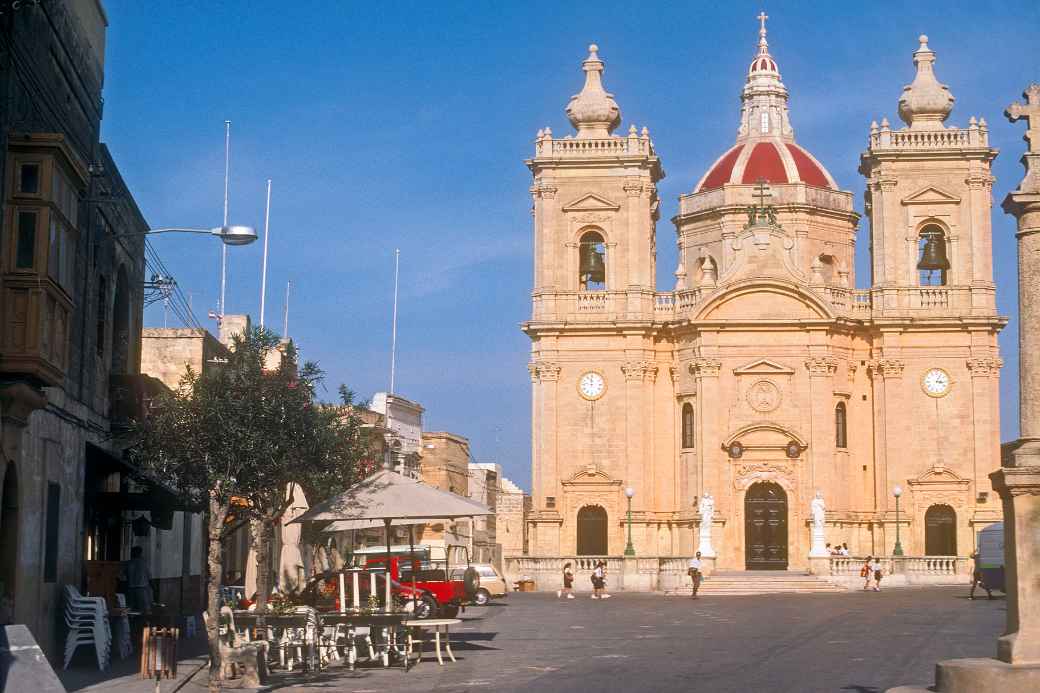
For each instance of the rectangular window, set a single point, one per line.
(26, 252)
(29, 178)
(54, 251)
(50, 553)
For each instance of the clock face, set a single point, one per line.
(936, 382)
(591, 385)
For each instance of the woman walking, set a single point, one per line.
(599, 581)
(866, 572)
(568, 582)
(877, 574)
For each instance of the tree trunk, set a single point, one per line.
(215, 557)
(261, 537)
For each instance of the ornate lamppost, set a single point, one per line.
(898, 549)
(629, 549)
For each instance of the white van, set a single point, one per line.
(990, 546)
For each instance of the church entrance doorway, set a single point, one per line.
(592, 531)
(940, 531)
(765, 528)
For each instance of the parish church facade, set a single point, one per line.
(764, 376)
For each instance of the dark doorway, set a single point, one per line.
(940, 531)
(8, 543)
(765, 529)
(592, 531)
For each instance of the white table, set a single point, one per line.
(438, 625)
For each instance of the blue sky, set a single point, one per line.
(405, 126)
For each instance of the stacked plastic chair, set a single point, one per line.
(87, 619)
(124, 646)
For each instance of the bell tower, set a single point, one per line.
(595, 211)
(928, 198)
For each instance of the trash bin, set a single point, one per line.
(159, 653)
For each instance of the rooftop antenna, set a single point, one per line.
(263, 272)
(223, 246)
(393, 334)
(285, 313)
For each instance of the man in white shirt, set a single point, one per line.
(694, 571)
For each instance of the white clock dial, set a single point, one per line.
(936, 382)
(591, 386)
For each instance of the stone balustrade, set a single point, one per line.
(782, 195)
(651, 573)
(575, 148)
(904, 570)
(950, 138)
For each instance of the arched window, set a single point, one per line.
(841, 429)
(688, 437)
(592, 266)
(592, 531)
(933, 256)
(121, 325)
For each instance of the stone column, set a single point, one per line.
(709, 450)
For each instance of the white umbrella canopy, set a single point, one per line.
(387, 495)
(347, 525)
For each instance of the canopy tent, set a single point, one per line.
(387, 496)
(348, 525)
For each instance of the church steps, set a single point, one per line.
(751, 582)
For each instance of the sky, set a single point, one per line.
(405, 125)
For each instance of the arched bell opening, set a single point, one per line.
(592, 264)
(933, 256)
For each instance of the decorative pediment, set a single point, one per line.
(938, 477)
(591, 203)
(763, 367)
(591, 475)
(931, 195)
(765, 435)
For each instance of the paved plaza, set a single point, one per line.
(860, 642)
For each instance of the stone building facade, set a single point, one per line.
(72, 271)
(765, 375)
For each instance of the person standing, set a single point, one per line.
(877, 574)
(977, 578)
(139, 581)
(694, 571)
(568, 582)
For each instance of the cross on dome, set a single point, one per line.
(763, 46)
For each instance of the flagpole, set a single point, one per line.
(263, 272)
(227, 186)
(393, 337)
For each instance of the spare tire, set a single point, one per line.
(471, 582)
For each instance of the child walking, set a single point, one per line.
(568, 582)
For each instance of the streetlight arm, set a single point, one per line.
(231, 235)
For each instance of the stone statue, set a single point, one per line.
(819, 513)
(707, 513)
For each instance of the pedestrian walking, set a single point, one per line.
(568, 582)
(599, 581)
(844, 549)
(694, 571)
(877, 574)
(977, 579)
(866, 572)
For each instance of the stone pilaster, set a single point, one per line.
(709, 455)
(821, 446)
(890, 434)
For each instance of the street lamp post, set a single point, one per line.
(629, 549)
(898, 549)
(231, 235)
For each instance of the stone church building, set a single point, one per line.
(765, 375)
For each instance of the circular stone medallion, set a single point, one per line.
(764, 396)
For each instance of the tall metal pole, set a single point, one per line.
(898, 549)
(263, 272)
(629, 549)
(393, 336)
(227, 186)
(285, 313)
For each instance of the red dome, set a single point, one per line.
(776, 162)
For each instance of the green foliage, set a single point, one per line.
(241, 431)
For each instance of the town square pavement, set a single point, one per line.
(861, 642)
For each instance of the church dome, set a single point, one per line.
(772, 161)
(765, 147)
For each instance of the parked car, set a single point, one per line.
(491, 586)
(322, 591)
(990, 543)
(442, 576)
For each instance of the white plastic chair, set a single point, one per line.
(87, 620)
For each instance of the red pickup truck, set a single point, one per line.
(443, 577)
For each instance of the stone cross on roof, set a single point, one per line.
(1029, 112)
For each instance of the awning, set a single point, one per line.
(156, 496)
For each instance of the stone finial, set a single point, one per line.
(925, 103)
(593, 112)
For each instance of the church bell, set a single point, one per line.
(933, 257)
(592, 268)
